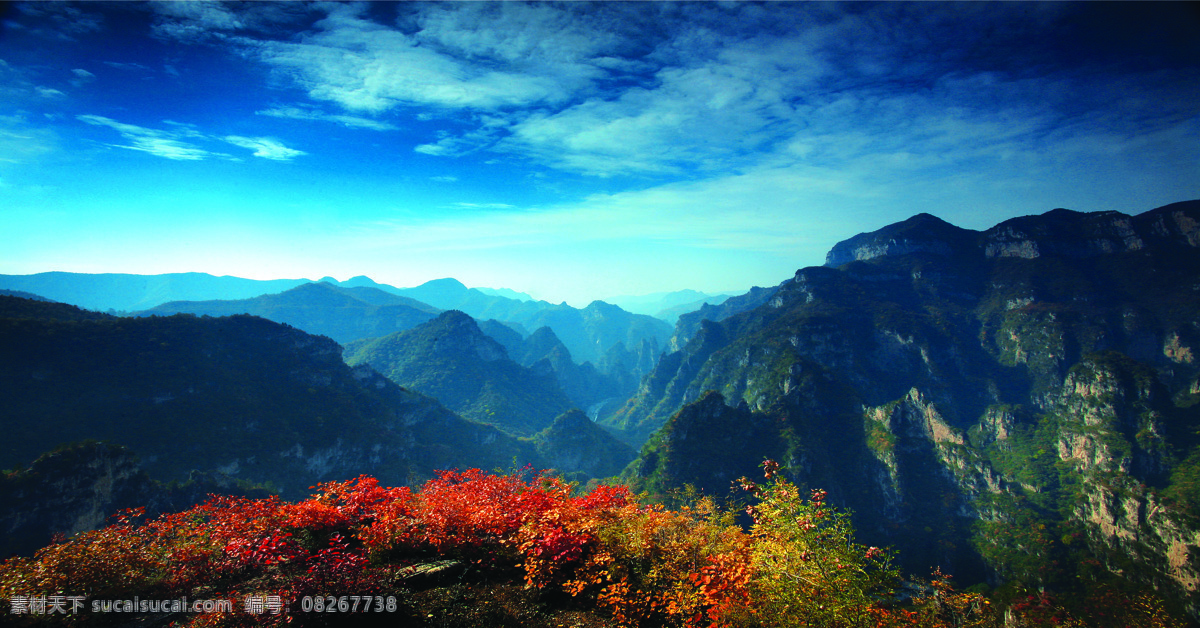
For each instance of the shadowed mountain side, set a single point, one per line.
(78, 488)
(344, 314)
(242, 395)
(450, 359)
(968, 395)
(574, 443)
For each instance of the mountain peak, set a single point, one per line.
(922, 233)
(360, 280)
(447, 283)
(457, 332)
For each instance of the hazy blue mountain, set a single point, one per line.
(688, 323)
(505, 334)
(506, 293)
(653, 304)
(671, 314)
(1019, 404)
(588, 333)
(344, 314)
(583, 384)
(242, 395)
(124, 292)
(451, 359)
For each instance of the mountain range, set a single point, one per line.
(452, 360)
(343, 314)
(1019, 405)
(358, 308)
(242, 395)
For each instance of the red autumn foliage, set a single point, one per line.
(639, 564)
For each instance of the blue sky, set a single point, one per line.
(572, 151)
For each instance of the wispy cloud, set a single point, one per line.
(170, 143)
(193, 21)
(67, 21)
(481, 57)
(21, 142)
(50, 92)
(265, 147)
(154, 141)
(303, 113)
(444, 178)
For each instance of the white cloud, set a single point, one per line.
(302, 113)
(156, 142)
(170, 144)
(193, 21)
(444, 179)
(475, 56)
(364, 67)
(265, 147)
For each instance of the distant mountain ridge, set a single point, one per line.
(665, 305)
(125, 292)
(590, 333)
(344, 314)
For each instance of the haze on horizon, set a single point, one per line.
(570, 151)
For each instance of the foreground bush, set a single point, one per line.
(356, 543)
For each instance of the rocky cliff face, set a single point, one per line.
(1002, 403)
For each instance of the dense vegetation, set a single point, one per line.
(449, 358)
(598, 558)
(258, 399)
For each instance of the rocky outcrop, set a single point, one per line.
(1058, 233)
(922, 233)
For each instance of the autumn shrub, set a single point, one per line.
(807, 568)
(643, 565)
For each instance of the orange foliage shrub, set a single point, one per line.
(643, 564)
